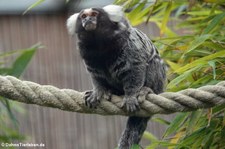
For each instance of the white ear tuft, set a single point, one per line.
(71, 23)
(115, 12)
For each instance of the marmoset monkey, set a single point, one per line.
(121, 60)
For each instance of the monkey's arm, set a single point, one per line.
(93, 97)
(133, 79)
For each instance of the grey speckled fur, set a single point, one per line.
(121, 60)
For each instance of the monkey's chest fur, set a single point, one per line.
(104, 59)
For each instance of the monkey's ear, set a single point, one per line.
(115, 12)
(71, 23)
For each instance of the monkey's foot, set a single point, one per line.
(131, 104)
(107, 96)
(143, 92)
(92, 98)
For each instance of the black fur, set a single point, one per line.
(121, 60)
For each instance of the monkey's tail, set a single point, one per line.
(133, 132)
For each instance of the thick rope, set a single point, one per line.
(71, 100)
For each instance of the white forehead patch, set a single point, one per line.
(87, 11)
(115, 12)
(71, 23)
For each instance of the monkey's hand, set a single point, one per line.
(92, 98)
(130, 103)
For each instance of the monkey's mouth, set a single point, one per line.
(90, 26)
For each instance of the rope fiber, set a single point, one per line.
(150, 104)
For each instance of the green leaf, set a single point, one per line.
(201, 12)
(215, 46)
(22, 61)
(135, 11)
(10, 53)
(218, 108)
(223, 129)
(192, 122)
(33, 5)
(135, 146)
(173, 66)
(160, 120)
(10, 113)
(140, 17)
(215, 21)
(136, 16)
(200, 81)
(213, 65)
(168, 31)
(160, 144)
(7, 105)
(5, 71)
(166, 17)
(176, 124)
(150, 136)
(197, 42)
(190, 139)
(182, 77)
(208, 140)
(202, 60)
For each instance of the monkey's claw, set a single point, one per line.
(107, 96)
(92, 98)
(131, 104)
(143, 92)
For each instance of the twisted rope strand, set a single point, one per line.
(71, 100)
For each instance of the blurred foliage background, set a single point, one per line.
(195, 52)
(12, 63)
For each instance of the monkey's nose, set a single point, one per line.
(90, 25)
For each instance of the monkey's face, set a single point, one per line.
(89, 19)
(95, 19)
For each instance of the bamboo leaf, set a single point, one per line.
(176, 138)
(223, 130)
(150, 136)
(173, 66)
(160, 120)
(135, 11)
(10, 53)
(33, 5)
(215, 21)
(208, 140)
(215, 46)
(10, 113)
(202, 60)
(202, 80)
(22, 61)
(182, 77)
(189, 140)
(197, 42)
(213, 65)
(168, 31)
(202, 12)
(4, 71)
(166, 17)
(193, 119)
(136, 16)
(135, 146)
(175, 124)
(218, 108)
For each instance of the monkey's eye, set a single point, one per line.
(94, 13)
(83, 16)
